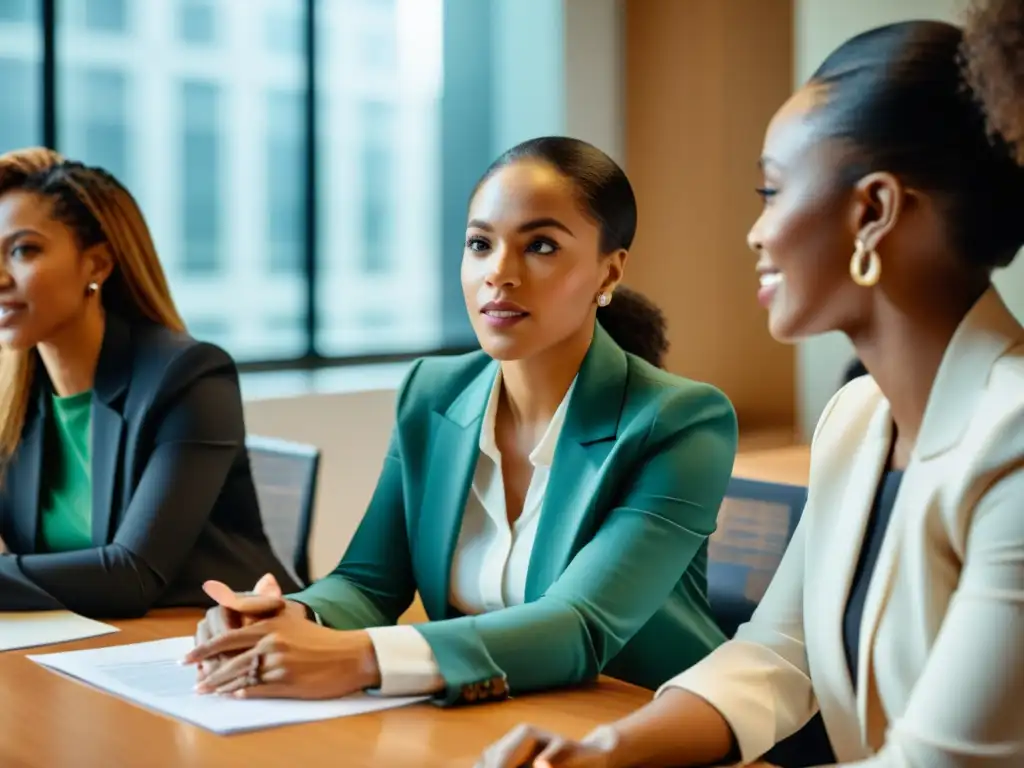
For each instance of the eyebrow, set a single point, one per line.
(19, 234)
(526, 226)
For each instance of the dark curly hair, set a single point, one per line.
(633, 321)
(637, 325)
(994, 66)
(898, 96)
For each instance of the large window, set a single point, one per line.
(201, 194)
(379, 104)
(20, 75)
(285, 252)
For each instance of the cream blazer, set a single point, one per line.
(941, 657)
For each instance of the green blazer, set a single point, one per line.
(617, 578)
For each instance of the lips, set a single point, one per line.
(9, 312)
(771, 281)
(503, 315)
(503, 309)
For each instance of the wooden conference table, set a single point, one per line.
(49, 721)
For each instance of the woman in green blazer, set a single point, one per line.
(550, 497)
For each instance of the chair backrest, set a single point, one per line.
(285, 475)
(755, 524)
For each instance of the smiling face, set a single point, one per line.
(532, 267)
(44, 276)
(805, 236)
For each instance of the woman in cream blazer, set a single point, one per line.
(898, 609)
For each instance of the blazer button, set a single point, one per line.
(498, 687)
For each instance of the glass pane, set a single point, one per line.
(197, 21)
(18, 11)
(379, 82)
(283, 28)
(20, 75)
(110, 16)
(187, 109)
(285, 194)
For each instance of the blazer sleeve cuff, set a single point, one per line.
(736, 679)
(407, 665)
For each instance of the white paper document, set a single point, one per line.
(25, 630)
(149, 674)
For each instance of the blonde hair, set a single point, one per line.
(95, 206)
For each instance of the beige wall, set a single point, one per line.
(702, 79)
(351, 429)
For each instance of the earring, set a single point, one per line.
(603, 300)
(865, 275)
(91, 288)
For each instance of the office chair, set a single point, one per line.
(755, 524)
(285, 475)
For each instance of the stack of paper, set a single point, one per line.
(149, 674)
(25, 630)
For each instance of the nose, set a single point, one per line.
(504, 268)
(5, 277)
(754, 240)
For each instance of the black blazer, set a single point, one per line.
(173, 501)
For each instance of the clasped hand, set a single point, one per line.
(262, 646)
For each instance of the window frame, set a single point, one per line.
(310, 358)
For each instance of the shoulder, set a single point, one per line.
(995, 434)
(165, 360)
(670, 404)
(434, 383)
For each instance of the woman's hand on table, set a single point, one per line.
(529, 746)
(237, 609)
(288, 657)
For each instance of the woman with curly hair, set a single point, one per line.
(897, 612)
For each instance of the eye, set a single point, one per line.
(766, 193)
(477, 244)
(23, 251)
(543, 246)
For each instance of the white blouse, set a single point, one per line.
(490, 560)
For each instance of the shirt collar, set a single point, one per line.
(543, 453)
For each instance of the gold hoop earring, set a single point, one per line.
(603, 300)
(865, 275)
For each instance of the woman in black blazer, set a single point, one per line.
(126, 483)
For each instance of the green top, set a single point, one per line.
(65, 521)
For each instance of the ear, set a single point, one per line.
(99, 263)
(615, 267)
(879, 199)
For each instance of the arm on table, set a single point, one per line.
(196, 444)
(618, 580)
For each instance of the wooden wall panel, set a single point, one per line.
(702, 79)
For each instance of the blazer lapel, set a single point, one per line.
(985, 334)
(454, 452)
(112, 373)
(107, 434)
(588, 436)
(834, 578)
(25, 475)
